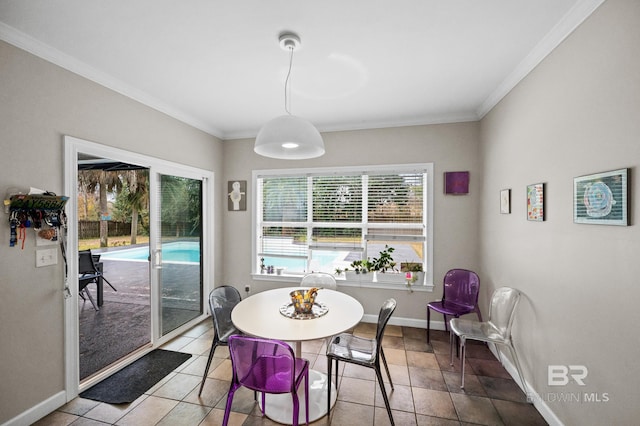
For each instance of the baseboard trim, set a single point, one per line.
(38, 411)
(544, 410)
(406, 322)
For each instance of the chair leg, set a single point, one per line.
(428, 324)
(296, 408)
(517, 361)
(451, 347)
(306, 394)
(227, 409)
(110, 285)
(463, 353)
(88, 293)
(384, 393)
(329, 365)
(214, 345)
(384, 360)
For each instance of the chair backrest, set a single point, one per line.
(383, 318)
(319, 279)
(85, 263)
(222, 300)
(263, 365)
(461, 287)
(502, 309)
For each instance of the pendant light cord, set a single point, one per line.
(287, 84)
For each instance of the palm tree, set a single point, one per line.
(104, 182)
(138, 196)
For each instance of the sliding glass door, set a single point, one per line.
(178, 250)
(172, 263)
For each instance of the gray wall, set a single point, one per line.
(451, 147)
(577, 113)
(39, 103)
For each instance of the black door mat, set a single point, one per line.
(128, 384)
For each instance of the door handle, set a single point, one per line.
(157, 259)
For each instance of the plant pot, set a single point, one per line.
(351, 276)
(393, 277)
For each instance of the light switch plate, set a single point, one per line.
(46, 257)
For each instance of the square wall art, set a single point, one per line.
(601, 198)
(456, 183)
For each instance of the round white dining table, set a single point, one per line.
(259, 315)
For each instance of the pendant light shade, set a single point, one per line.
(289, 137)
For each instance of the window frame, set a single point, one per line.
(428, 208)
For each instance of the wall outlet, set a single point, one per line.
(46, 257)
(247, 288)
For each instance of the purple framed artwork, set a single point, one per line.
(456, 183)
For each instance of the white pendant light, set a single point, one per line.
(289, 137)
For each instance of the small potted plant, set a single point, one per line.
(413, 272)
(385, 267)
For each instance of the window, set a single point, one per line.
(325, 219)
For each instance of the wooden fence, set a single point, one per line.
(91, 229)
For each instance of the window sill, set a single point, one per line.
(342, 282)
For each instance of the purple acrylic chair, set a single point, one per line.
(267, 366)
(460, 297)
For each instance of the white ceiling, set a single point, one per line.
(217, 64)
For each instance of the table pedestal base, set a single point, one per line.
(279, 407)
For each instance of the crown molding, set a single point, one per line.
(53, 55)
(569, 22)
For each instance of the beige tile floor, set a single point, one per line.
(427, 389)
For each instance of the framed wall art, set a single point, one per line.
(505, 201)
(535, 202)
(601, 198)
(456, 183)
(237, 195)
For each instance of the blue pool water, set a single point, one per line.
(179, 252)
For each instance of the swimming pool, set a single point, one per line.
(178, 252)
(321, 261)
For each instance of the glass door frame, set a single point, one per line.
(72, 147)
(155, 244)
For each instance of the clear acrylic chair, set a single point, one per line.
(496, 330)
(459, 297)
(319, 279)
(222, 300)
(362, 351)
(267, 366)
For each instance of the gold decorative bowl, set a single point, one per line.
(303, 300)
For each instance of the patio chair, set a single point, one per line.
(89, 272)
(267, 366)
(362, 351)
(88, 269)
(84, 292)
(222, 300)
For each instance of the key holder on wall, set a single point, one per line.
(42, 212)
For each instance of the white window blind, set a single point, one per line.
(322, 220)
